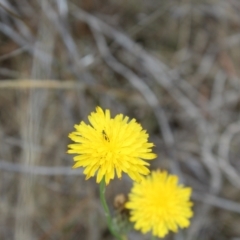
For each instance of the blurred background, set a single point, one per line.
(171, 64)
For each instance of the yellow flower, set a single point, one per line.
(159, 204)
(109, 145)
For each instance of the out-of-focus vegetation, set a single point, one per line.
(172, 65)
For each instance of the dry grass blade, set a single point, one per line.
(38, 170)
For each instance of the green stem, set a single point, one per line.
(106, 210)
(153, 238)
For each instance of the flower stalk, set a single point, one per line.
(110, 223)
(153, 238)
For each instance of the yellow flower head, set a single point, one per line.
(159, 204)
(109, 145)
